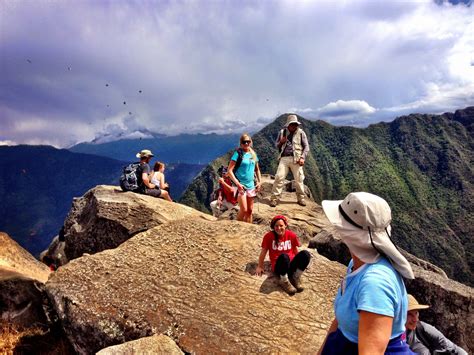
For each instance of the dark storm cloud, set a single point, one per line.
(206, 66)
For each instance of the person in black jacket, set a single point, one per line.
(423, 338)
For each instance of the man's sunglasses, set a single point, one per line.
(245, 142)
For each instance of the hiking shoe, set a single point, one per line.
(287, 286)
(302, 203)
(273, 203)
(296, 281)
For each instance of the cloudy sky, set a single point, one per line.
(71, 71)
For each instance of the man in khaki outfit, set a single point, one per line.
(293, 146)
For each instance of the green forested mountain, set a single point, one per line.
(38, 183)
(421, 164)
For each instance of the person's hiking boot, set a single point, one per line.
(296, 281)
(287, 286)
(273, 202)
(302, 202)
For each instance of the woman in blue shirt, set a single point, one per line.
(244, 177)
(371, 304)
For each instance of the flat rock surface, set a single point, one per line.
(193, 280)
(106, 216)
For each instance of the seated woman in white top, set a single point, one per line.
(157, 177)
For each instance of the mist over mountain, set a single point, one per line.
(184, 148)
(38, 184)
(421, 164)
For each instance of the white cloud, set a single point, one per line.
(346, 108)
(7, 143)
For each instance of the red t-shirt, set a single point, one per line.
(286, 245)
(229, 195)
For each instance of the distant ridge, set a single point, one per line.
(423, 165)
(38, 183)
(184, 148)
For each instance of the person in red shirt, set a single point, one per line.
(287, 263)
(225, 196)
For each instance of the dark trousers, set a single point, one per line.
(338, 344)
(300, 261)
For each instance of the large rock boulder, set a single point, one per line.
(451, 305)
(193, 280)
(21, 285)
(106, 216)
(16, 259)
(187, 275)
(155, 344)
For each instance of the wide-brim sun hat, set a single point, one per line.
(363, 222)
(144, 154)
(292, 119)
(414, 305)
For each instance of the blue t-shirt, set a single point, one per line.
(245, 172)
(375, 288)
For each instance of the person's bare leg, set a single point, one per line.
(165, 195)
(243, 208)
(249, 213)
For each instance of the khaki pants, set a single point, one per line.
(286, 164)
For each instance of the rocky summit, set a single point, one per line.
(193, 280)
(421, 164)
(144, 268)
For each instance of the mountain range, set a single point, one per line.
(184, 148)
(38, 184)
(421, 164)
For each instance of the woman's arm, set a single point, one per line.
(225, 185)
(259, 176)
(261, 259)
(230, 171)
(374, 332)
(331, 329)
(162, 180)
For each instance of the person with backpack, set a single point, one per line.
(225, 197)
(135, 176)
(243, 168)
(293, 146)
(157, 177)
(287, 262)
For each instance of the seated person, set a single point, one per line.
(157, 177)
(225, 195)
(287, 262)
(145, 186)
(423, 338)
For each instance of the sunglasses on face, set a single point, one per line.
(245, 142)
